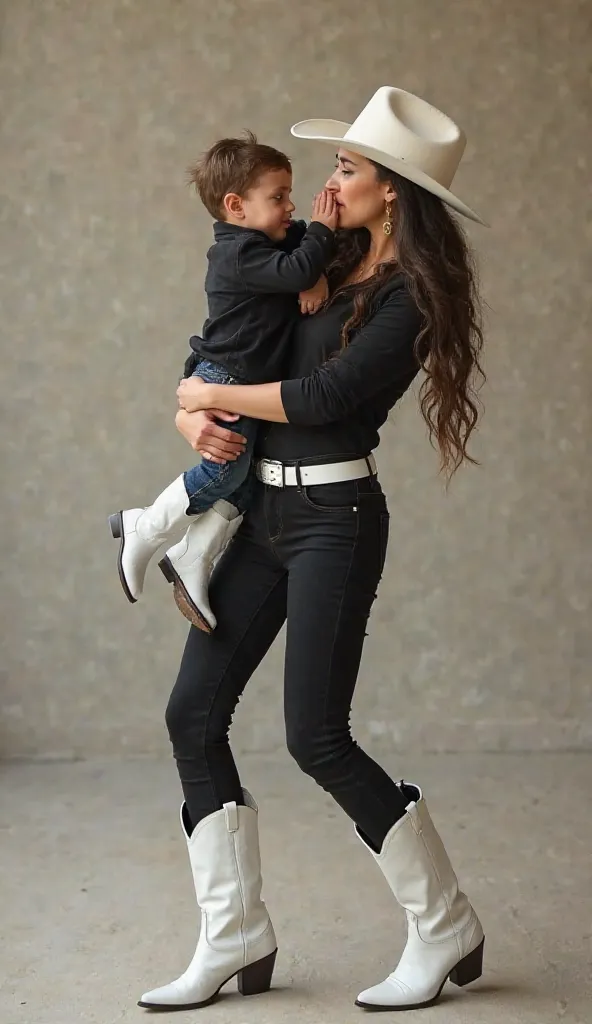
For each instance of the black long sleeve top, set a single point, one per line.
(337, 399)
(252, 287)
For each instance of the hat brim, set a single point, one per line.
(333, 132)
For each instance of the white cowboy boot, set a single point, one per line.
(143, 531)
(188, 565)
(444, 935)
(236, 935)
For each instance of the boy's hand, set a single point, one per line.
(312, 299)
(325, 210)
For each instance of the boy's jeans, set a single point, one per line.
(209, 481)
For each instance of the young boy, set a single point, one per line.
(260, 264)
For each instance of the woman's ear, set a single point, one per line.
(233, 205)
(391, 195)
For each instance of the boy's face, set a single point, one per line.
(265, 207)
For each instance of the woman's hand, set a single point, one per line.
(216, 443)
(192, 394)
(312, 299)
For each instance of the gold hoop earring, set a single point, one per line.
(387, 227)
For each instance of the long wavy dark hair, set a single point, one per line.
(435, 258)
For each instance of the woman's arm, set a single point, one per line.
(259, 401)
(380, 356)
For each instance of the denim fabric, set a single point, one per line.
(312, 558)
(209, 481)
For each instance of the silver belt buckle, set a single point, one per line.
(271, 473)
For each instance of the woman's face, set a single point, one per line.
(361, 197)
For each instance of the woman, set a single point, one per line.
(312, 549)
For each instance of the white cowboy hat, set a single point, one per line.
(405, 134)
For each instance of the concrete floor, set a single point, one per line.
(97, 901)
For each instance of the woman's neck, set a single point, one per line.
(381, 250)
(382, 247)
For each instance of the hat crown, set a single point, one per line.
(409, 129)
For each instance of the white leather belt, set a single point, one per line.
(278, 474)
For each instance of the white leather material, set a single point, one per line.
(278, 474)
(193, 557)
(236, 929)
(442, 927)
(145, 530)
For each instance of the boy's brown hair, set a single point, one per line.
(233, 165)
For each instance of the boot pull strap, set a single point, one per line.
(231, 814)
(414, 817)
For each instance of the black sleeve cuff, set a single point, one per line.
(321, 230)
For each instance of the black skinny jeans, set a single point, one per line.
(315, 558)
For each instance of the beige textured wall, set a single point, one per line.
(482, 634)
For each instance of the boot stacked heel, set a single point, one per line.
(469, 968)
(256, 978)
(115, 524)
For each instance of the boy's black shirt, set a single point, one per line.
(252, 286)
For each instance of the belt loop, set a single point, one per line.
(298, 475)
(372, 475)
